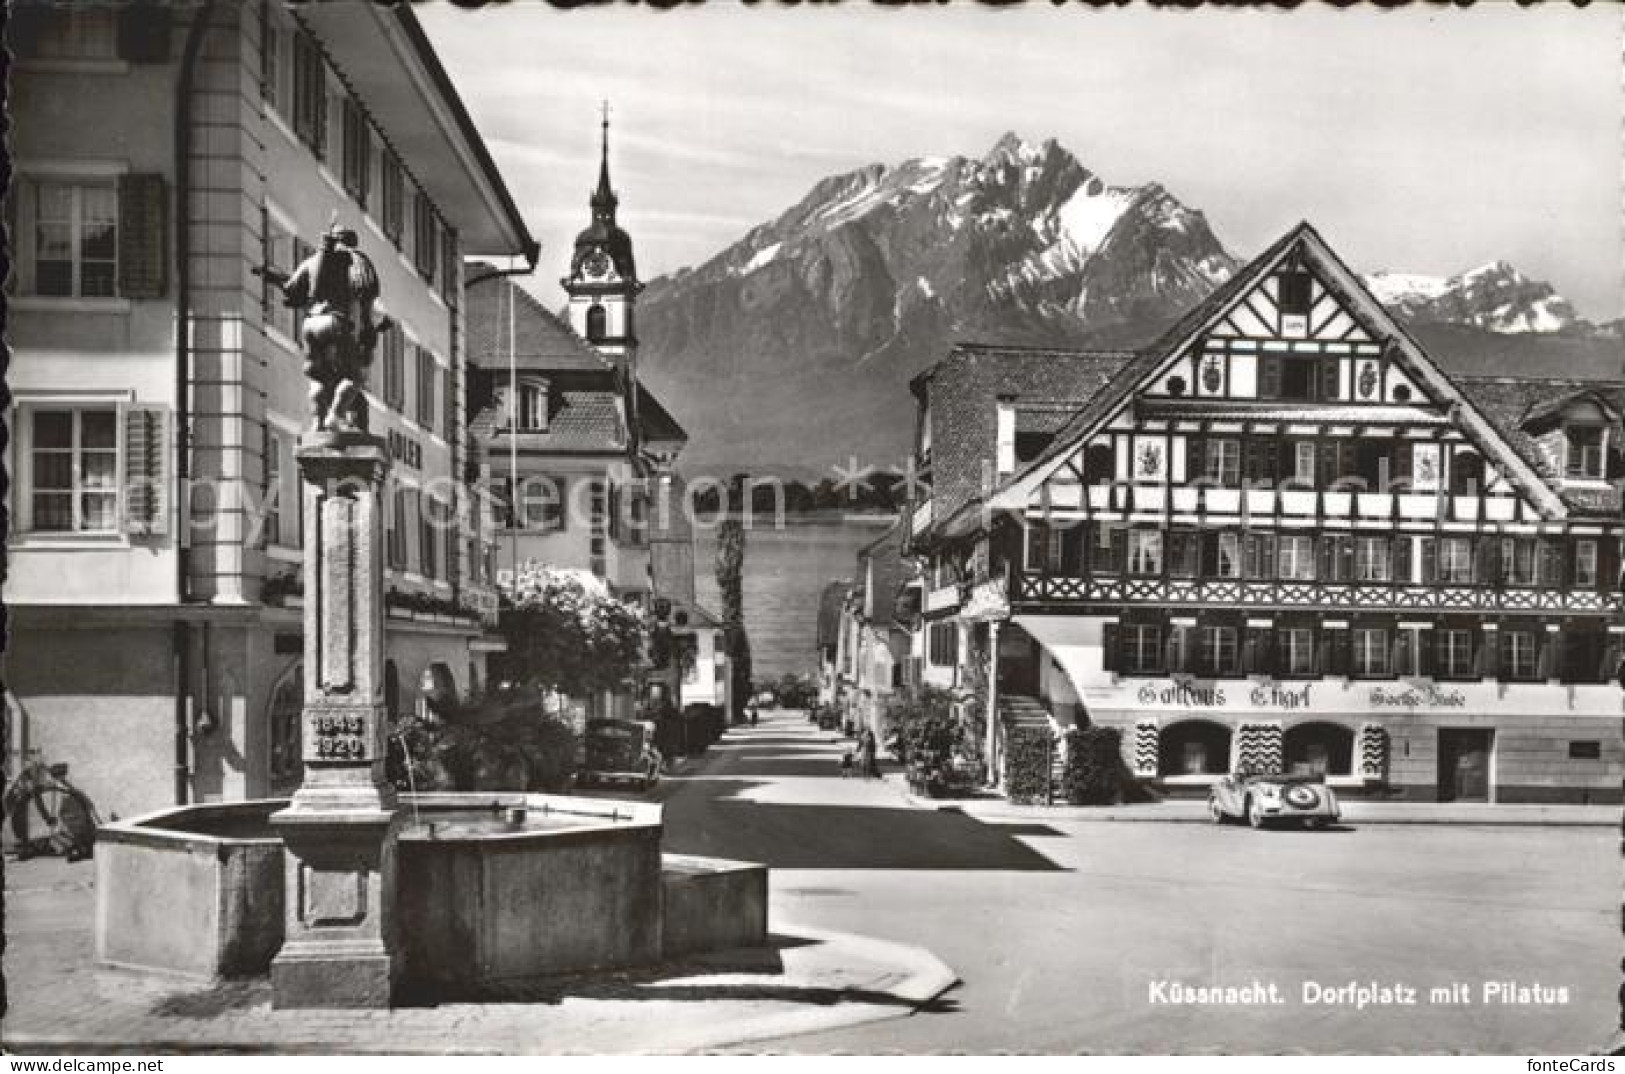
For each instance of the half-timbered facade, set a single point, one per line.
(1283, 538)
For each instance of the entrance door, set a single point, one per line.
(1464, 764)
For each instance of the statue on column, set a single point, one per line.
(337, 287)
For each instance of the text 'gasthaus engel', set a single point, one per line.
(1358, 994)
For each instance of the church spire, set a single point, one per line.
(603, 199)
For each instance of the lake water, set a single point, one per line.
(785, 571)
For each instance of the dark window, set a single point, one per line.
(1294, 293)
(1099, 464)
(1467, 473)
(1031, 445)
(1585, 751)
(1585, 458)
(1298, 378)
(392, 192)
(597, 324)
(425, 237)
(944, 645)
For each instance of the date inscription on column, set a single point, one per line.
(337, 736)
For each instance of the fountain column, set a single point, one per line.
(340, 828)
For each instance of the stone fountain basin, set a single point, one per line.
(580, 885)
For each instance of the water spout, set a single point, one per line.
(411, 781)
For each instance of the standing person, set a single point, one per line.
(866, 751)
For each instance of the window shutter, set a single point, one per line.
(1329, 378)
(146, 470)
(1608, 579)
(1612, 651)
(1195, 458)
(1108, 647)
(1119, 537)
(143, 235)
(1400, 659)
(1427, 646)
(143, 32)
(1430, 560)
(1549, 653)
(1174, 651)
(1326, 463)
(1334, 652)
(1345, 559)
(1269, 377)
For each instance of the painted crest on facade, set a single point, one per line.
(1212, 376)
(1367, 383)
(1148, 459)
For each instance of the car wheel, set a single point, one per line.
(1215, 811)
(1255, 815)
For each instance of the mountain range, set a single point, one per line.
(791, 350)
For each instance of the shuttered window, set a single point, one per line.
(392, 194)
(79, 471)
(425, 237)
(75, 239)
(357, 152)
(425, 402)
(271, 487)
(272, 87)
(309, 95)
(394, 359)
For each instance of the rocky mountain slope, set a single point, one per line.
(791, 349)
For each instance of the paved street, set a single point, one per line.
(1060, 927)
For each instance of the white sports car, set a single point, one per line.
(1260, 799)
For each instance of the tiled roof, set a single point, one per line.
(964, 389)
(541, 341)
(1514, 404)
(830, 603)
(582, 420)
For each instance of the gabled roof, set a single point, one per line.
(1047, 385)
(1346, 285)
(541, 341)
(656, 420)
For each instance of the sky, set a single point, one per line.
(1417, 140)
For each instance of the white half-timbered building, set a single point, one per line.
(1282, 538)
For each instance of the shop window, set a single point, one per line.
(1318, 749)
(1194, 748)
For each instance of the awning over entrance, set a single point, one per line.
(1073, 643)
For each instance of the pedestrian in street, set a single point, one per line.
(866, 753)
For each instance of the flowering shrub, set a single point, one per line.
(565, 632)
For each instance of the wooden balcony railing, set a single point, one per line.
(1033, 589)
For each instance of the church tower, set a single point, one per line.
(603, 281)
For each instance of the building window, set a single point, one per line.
(1145, 552)
(1453, 653)
(541, 503)
(1518, 561)
(271, 490)
(1585, 563)
(428, 535)
(1297, 651)
(1584, 452)
(1466, 473)
(1455, 565)
(533, 407)
(271, 84)
(1219, 650)
(1590, 750)
(357, 165)
(1295, 558)
(1142, 649)
(1227, 555)
(597, 527)
(1303, 463)
(1373, 559)
(1222, 462)
(1294, 293)
(80, 33)
(597, 324)
(310, 95)
(73, 455)
(397, 530)
(1519, 658)
(75, 239)
(392, 193)
(944, 645)
(1371, 655)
